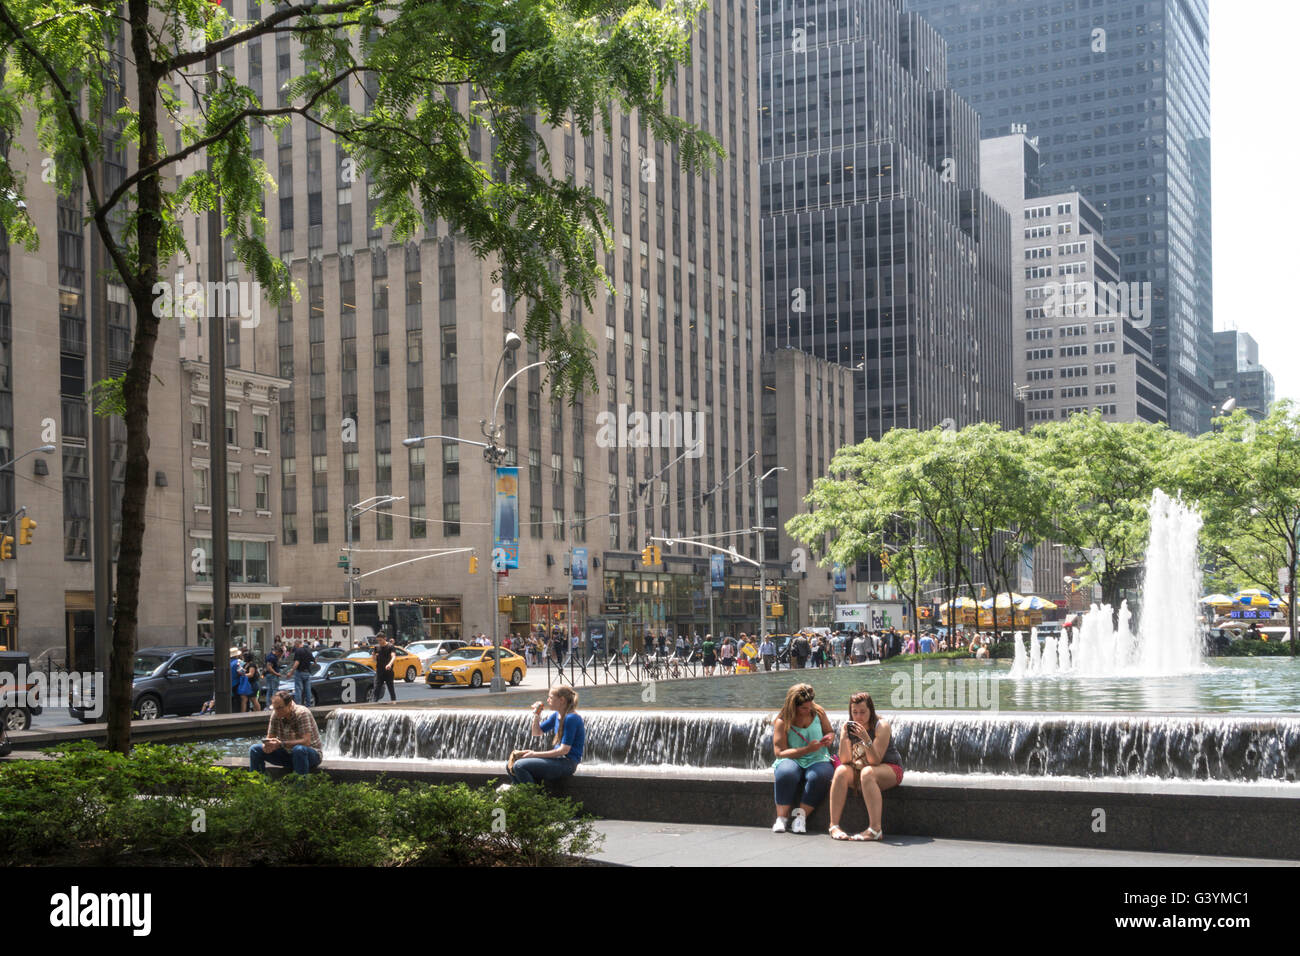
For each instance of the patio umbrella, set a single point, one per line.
(1004, 601)
(1216, 599)
(1254, 597)
(1034, 603)
(962, 604)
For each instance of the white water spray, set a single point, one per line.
(1169, 640)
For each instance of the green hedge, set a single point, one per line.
(1246, 648)
(169, 805)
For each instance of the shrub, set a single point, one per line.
(171, 805)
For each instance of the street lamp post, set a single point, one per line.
(762, 557)
(377, 501)
(493, 454)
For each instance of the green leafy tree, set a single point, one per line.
(1006, 504)
(1245, 476)
(1101, 476)
(517, 60)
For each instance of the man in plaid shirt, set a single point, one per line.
(292, 739)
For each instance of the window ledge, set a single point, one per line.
(262, 451)
(263, 514)
(235, 448)
(234, 511)
(198, 443)
(205, 508)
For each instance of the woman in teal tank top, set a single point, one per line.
(801, 738)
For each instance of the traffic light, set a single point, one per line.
(341, 617)
(647, 556)
(658, 556)
(27, 526)
(778, 610)
(884, 560)
(473, 564)
(6, 547)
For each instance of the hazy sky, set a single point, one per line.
(1256, 152)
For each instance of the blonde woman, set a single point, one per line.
(532, 766)
(801, 738)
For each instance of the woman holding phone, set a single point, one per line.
(801, 739)
(567, 744)
(869, 763)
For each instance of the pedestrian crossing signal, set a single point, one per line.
(473, 564)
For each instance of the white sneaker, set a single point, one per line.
(798, 821)
(780, 825)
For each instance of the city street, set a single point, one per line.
(534, 682)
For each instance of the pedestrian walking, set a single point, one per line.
(272, 669)
(239, 685)
(385, 655)
(304, 664)
(767, 651)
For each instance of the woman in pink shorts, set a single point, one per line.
(869, 762)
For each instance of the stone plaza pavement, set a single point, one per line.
(630, 843)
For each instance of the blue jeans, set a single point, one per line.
(302, 687)
(302, 758)
(272, 686)
(791, 779)
(535, 769)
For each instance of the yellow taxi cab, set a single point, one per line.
(406, 665)
(472, 667)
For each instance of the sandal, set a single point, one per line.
(872, 834)
(837, 833)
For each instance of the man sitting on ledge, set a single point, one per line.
(292, 739)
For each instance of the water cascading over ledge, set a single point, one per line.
(1236, 749)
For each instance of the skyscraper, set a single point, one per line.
(1080, 329)
(1117, 94)
(1238, 374)
(880, 252)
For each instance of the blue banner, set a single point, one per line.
(578, 568)
(718, 571)
(841, 581)
(505, 516)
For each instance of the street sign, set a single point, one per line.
(613, 609)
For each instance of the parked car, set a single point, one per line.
(407, 666)
(17, 708)
(166, 680)
(326, 654)
(431, 650)
(473, 667)
(341, 682)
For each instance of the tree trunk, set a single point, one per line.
(135, 393)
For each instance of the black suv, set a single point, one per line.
(168, 680)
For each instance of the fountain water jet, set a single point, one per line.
(1169, 638)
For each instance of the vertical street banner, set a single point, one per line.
(578, 568)
(718, 571)
(840, 579)
(505, 516)
(1027, 571)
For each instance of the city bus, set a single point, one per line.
(323, 621)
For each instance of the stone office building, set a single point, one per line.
(391, 341)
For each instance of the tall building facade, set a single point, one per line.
(880, 251)
(57, 307)
(807, 417)
(1239, 375)
(1076, 319)
(391, 341)
(1117, 93)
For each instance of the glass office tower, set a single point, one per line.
(880, 252)
(1117, 94)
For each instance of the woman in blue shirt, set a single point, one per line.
(532, 766)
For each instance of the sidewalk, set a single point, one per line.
(630, 843)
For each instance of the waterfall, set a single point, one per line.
(1079, 745)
